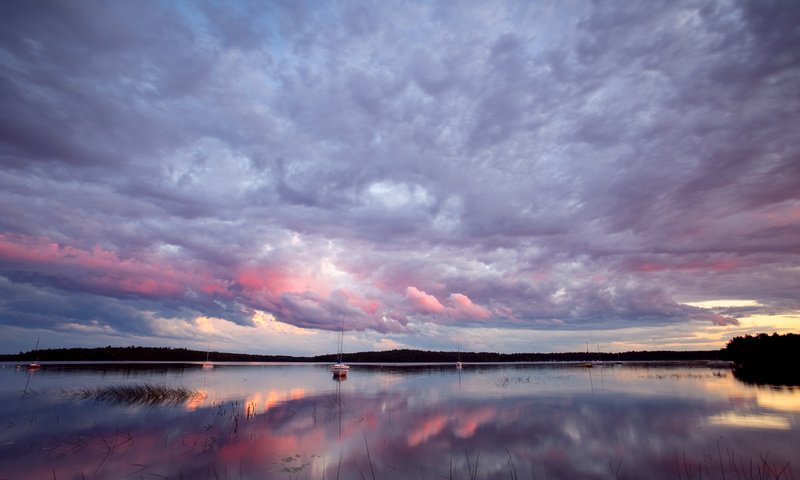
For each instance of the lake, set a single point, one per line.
(294, 421)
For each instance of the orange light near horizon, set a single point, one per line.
(733, 419)
(193, 403)
(785, 400)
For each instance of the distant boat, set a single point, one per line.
(35, 364)
(459, 365)
(586, 364)
(208, 363)
(339, 369)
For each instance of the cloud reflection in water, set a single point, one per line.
(281, 422)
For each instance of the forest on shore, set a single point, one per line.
(754, 352)
(762, 358)
(166, 354)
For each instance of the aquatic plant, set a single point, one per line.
(141, 394)
(738, 467)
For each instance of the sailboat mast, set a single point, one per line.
(339, 369)
(341, 341)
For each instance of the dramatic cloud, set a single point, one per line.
(402, 169)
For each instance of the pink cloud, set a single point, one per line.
(506, 312)
(719, 320)
(459, 305)
(424, 301)
(464, 308)
(106, 270)
(369, 306)
(274, 280)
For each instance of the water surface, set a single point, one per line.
(485, 422)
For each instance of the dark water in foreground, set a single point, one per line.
(483, 422)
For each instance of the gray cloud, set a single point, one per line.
(560, 165)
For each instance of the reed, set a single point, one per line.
(740, 468)
(368, 456)
(141, 394)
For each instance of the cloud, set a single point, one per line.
(463, 307)
(423, 301)
(530, 166)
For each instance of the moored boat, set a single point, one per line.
(35, 364)
(208, 363)
(339, 369)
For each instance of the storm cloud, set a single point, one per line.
(523, 165)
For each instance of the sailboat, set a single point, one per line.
(208, 363)
(459, 365)
(35, 365)
(339, 369)
(586, 364)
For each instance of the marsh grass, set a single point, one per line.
(141, 394)
(738, 467)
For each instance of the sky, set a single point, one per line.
(532, 176)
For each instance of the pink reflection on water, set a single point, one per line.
(426, 429)
(637, 421)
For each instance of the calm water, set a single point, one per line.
(484, 422)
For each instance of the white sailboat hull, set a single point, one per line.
(340, 369)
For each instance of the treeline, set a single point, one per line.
(165, 354)
(762, 349)
(138, 354)
(408, 356)
(763, 358)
